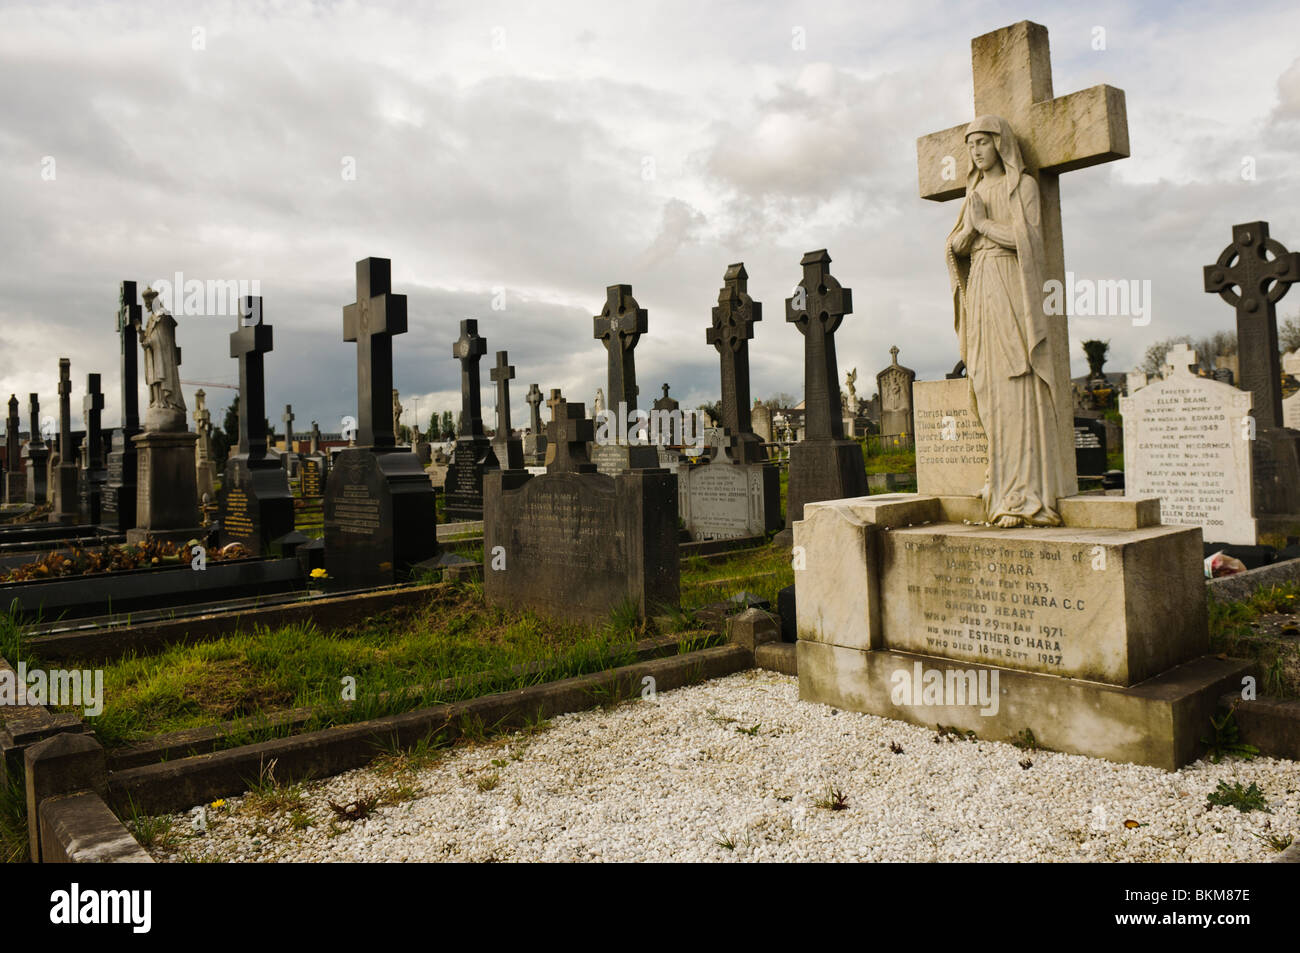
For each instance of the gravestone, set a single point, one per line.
(64, 462)
(1135, 381)
(256, 503)
(36, 457)
(619, 327)
(205, 466)
(1090, 446)
(289, 459)
(1291, 405)
(1260, 282)
(15, 479)
(894, 385)
(380, 517)
(738, 493)
(166, 498)
(473, 454)
(1011, 69)
(314, 468)
(123, 473)
(616, 535)
(93, 472)
(535, 442)
(824, 465)
(508, 448)
(1186, 441)
(760, 416)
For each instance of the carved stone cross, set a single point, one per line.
(1261, 282)
(65, 412)
(92, 406)
(11, 435)
(733, 327)
(249, 343)
(568, 434)
(620, 326)
(502, 374)
(1180, 359)
(371, 321)
(534, 399)
(36, 441)
(816, 309)
(468, 349)
(287, 419)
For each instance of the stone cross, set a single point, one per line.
(1011, 70)
(11, 436)
(1261, 282)
(65, 412)
(534, 399)
(371, 321)
(287, 419)
(92, 406)
(468, 349)
(619, 327)
(1180, 359)
(665, 402)
(502, 374)
(733, 326)
(568, 434)
(816, 309)
(315, 437)
(36, 441)
(129, 317)
(249, 343)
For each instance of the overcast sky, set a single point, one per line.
(550, 150)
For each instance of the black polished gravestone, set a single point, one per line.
(1261, 282)
(120, 490)
(577, 544)
(619, 327)
(15, 488)
(94, 474)
(36, 457)
(1090, 447)
(256, 503)
(64, 469)
(380, 516)
(508, 448)
(473, 454)
(824, 465)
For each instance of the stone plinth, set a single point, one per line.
(15, 487)
(578, 545)
(37, 461)
(1096, 630)
(256, 503)
(380, 517)
(66, 504)
(166, 501)
(823, 470)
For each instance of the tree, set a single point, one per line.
(713, 409)
(1288, 334)
(448, 425)
(1096, 352)
(226, 438)
(779, 401)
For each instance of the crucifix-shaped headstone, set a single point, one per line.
(11, 435)
(733, 326)
(65, 413)
(92, 408)
(468, 349)
(35, 441)
(65, 509)
(1180, 359)
(619, 327)
(129, 317)
(567, 435)
(1012, 73)
(315, 437)
(371, 321)
(534, 399)
(1261, 281)
(249, 343)
(509, 449)
(817, 307)
(287, 419)
(535, 442)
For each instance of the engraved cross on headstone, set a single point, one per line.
(248, 344)
(92, 406)
(502, 374)
(568, 434)
(371, 321)
(534, 399)
(619, 327)
(467, 349)
(733, 326)
(1261, 282)
(816, 309)
(287, 419)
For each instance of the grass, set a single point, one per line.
(1225, 740)
(834, 800)
(13, 821)
(1256, 629)
(764, 574)
(1234, 795)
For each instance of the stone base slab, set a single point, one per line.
(1159, 722)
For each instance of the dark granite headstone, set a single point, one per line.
(619, 327)
(576, 544)
(36, 457)
(535, 442)
(311, 476)
(1260, 282)
(508, 448)
(256, 503)
(380, 517)
(93, 472)
(473, 453)
(65, 508)
(824, 465)
(1090, 446)
(123, 471)
(15, 480)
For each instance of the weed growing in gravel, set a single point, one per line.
(1234, 795)
(726, 843)
(356, 810)
(1276, 842)
(953, 734)
(835, 800)
(752, 731)
(300, 820)
(153, 833)
(488, 782)
(1225, 741)
(1026, 741)
(895, 747)
(397, 760)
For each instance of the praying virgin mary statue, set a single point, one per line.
(996, 265)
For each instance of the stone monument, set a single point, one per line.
(619, 327)
(15, 479)
(473, 454)
(894, 384)
(205, 473)
(535, 442)
(380, 509)
(36, 456)
(64, 462)
(93, 472)
(121, 489)
(508, 448)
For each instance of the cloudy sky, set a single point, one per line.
(536, 153)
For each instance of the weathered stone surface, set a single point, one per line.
(894, 385)
(952, 450)
(166, 503)
(616, 534)
(80, 829)
(506, 446)
(61, 764)
(120, 490)
(726, 500)
(36, 456)
(753, 628)
(1187, 441)
(15, 486)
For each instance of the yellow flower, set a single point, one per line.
(319, 574)
(220, 802)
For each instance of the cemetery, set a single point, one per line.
(811, 626)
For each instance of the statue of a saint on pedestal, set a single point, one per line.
(162, 359)
(996, 265)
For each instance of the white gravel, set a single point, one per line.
(672, 779)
